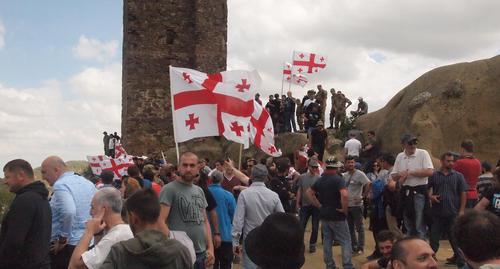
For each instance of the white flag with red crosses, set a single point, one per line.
(212, 104)
(307, 63)
(95, 163)
(262, 131)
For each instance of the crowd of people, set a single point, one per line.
(287, 112)
(202, 214)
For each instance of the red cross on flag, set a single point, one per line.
(212, 104)
(119, 151)
(262, 131)
(287, 72)
(117, 166)
(305, 62)
(94, 163)
(294, 78)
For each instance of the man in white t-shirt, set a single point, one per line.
(106, 208)
(352, 146)
(412, 168)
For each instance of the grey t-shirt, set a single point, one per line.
(355, 184)
(305, 181)
(187, 205)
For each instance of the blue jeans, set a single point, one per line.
(336, 231)
(247, 263)
(355, 222)
(304, 214)
(200, 260)
(417, 226)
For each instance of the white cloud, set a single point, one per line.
(93, 49)
(2, 35)
(60, 118)
(412, 36)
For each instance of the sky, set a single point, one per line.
(60, 61)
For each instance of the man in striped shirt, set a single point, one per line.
(447, 191)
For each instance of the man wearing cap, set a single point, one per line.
(319, 139)
(329, 194)
(254, 204)
(412, 168)
(305, 206)
(226, 206)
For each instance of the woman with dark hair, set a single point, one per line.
(373, 171)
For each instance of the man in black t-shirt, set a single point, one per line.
(329, 194)
(318, 140)
(491, 199)
(385, 240)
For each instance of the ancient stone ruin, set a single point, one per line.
(156, 34)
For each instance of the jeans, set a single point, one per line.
(224, 256)
(392, 222)
(247, 263)
(417, 226)
(439, 225)
(304, 214)
(200, 260)
(355, 221)
(336, 231)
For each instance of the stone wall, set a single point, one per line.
(156, 34)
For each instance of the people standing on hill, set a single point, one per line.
(358, 186)
(329, 194)
(470, 167)
(340, 109)
(319, 140)
(305, 206)
(25, 229)
(447, 192)
(321, 97)
(257, 99)
(111, 146)
(332, 109)
(70, 204)
(412, 168)
(289, 113)
(312, 118)
(105, 141)
(106, 228)
(299, 113)
(253, 206)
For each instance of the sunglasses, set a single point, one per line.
(314, 167)
(413, 143)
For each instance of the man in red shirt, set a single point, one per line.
(470, 167)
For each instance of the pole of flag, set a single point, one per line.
(282, 78)
(163, 156)
(291, 73)
(173, 117)
(239, 161)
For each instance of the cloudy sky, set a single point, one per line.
(60, 61)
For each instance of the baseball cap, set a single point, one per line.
(332, 162)
(406, 138)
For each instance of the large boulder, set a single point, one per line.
(443, 107)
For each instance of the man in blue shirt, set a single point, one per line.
(70, 204)
(226, 206)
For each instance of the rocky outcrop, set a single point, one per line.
(443, 107)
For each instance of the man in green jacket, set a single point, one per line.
(150, 248)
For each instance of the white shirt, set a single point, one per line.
(353, 147)
(182, 237)
(94, 258)
(308, 102)
(420, 160)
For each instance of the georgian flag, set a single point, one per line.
(95, 163)
(119, 151)
(117, 166)
(305, 62)
(262, 131)
(287, 72)
(213, 104)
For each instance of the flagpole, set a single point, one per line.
(164, 160)
(173, 116)
(239, 162)
(282, 78)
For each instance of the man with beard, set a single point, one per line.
(183, 207)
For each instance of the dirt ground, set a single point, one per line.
(315, 260)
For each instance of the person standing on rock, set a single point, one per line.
(470, 167)
(289, 113)
(332, 110)
(319, 139)
(412, 168)
(105, 141)
(299, 113)
(340, 110)
(321, 97)
(25, 233)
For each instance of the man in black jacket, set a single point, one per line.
(25, 232)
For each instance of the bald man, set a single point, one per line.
(70, 204)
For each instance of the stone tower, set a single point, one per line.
(156, 34)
